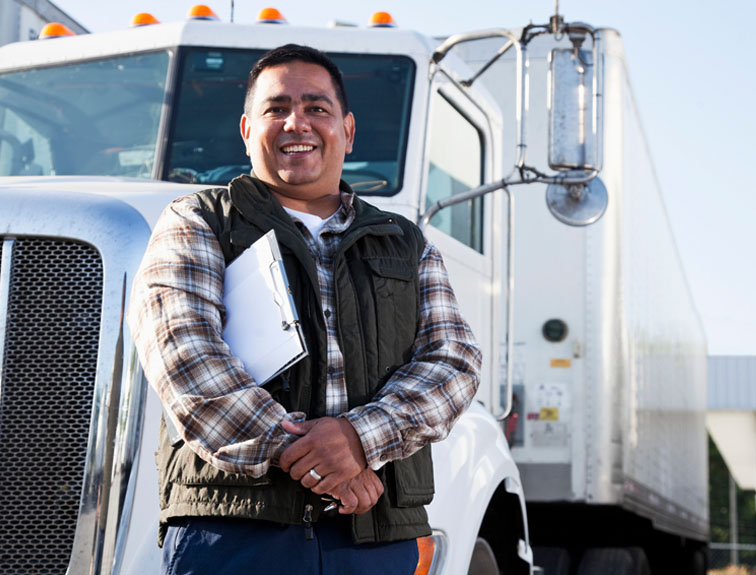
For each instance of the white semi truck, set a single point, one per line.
(594, 355)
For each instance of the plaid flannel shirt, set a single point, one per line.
(176, 317)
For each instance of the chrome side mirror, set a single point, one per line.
(576, 196)
(577, 204)
(572, 118)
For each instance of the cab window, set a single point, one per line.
(456, 165)
(99, 117)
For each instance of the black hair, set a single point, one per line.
(296, 53)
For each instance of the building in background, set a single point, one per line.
(731, 420)
(23, 19)
(731, 416)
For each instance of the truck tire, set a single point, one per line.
(614, 560)
(483, 561)
(553, 560)
(697, 564)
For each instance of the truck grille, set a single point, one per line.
(46, 387)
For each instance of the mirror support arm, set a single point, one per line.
(458, 199)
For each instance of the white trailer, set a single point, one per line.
(83, 119)
(609, 362)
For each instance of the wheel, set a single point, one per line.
(483, 561)
(553, 560)
(614, 560)
(696, 563)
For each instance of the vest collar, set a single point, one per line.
(259, 205)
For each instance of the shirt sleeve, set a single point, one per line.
(423, 399)
(176, 319)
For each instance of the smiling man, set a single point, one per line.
(391, 365)
(297, 130)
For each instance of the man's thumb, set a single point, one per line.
(297, 428)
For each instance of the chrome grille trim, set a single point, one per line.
(6, 251)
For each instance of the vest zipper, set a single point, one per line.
(307, 522)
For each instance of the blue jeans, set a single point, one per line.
(200, 546)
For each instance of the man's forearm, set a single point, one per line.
(176, 322)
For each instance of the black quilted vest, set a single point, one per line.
(375, 275)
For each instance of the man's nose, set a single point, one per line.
(297, 122)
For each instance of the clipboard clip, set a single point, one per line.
(287, 321)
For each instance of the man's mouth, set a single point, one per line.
(297, 148)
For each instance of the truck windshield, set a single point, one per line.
(102, 117)
(205, 145)
(95, 117)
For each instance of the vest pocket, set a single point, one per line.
(391, 268)
(195, 472)
(395, 293)
(180, 465)
(413, 479)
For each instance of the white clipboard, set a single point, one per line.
(262, 327)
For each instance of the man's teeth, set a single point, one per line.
(298, 148)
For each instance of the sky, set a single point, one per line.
(693, 73)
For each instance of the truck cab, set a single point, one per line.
(97, 134)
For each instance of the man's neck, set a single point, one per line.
(322, 207)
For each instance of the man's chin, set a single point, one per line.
(297, 179)
(300, 178)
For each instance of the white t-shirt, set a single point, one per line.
(312, 222)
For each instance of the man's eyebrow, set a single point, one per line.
(285, 99)
(317, 98)
(278, 99)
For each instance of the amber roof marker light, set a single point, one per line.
(382, 20)
(143, 19)
(271, 16)
(202, 12)
(55, 30)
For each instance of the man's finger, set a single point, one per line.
(293, 453)
(373, 486)
(365, 501)
(309, 479)
(298, 427)
(349, 501)
(371, 489)
(376, 484)
(366, 488)
(331, 481)
(301, 468)
(331, 445)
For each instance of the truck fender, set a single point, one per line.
(471, 466)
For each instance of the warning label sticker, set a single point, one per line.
(549, 414)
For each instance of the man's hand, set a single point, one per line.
(330, 446)
(359, 495)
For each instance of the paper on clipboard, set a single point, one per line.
(262, 327)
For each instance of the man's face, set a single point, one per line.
(295, 132)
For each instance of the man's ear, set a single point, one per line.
(245, 129)
(349, 128)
